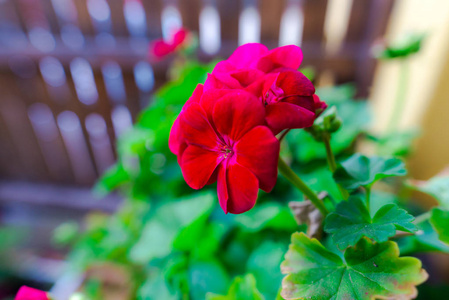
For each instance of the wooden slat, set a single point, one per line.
(314, 14)
(271, 13)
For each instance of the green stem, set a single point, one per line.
(400, 96)
(300, 185)
(422, 218)
(368, 196)
(332, 163)
(329, 154)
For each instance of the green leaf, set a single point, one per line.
(440, 221)
(207, 276)
(267, 215)
(66, 233)
(359, 170)
(369, 271)
(264, 263)
(156, 288)
(176, 224)
(438, 187)
(351, 221)
(397, 143)
(112, 178)
(407, 45)
(243, 288)
(426, 241)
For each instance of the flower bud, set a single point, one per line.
(328, 122)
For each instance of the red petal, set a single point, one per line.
(222, 188)
(175, 139)
(212, 82)
(242, 189)
(197, 93)
(295, 83)
(258, 151)
(286, 56)
(179, 37)
(209, 98)
(224, 66)
(247, 76)
(320, 106)
(247, 54)
(27, 293)
(283, 115)
(196, 127)
(236, 113)
(160, 49)
(227, 80)
(198, 165)
(256, 88)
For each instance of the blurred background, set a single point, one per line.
(74, 75)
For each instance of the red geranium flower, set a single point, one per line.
(273, 77)
(222, 137)
(161, 48)
(27, 293)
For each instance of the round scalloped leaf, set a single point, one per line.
(440, 221)
(359, 170)
(370, 271)
(351, 221)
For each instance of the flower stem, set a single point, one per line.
(400, 96)
(422, 218)
(300, 185)
(331, 162)
(329, 154)
(368, 196)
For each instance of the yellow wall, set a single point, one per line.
(428, 92)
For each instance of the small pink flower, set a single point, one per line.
(27, 293)
(161, 48)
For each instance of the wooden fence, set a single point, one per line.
(74, 73)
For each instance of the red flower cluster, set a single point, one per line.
(226, 130)
(27, 293)
(161, 48)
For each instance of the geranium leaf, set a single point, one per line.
(426, 241)
(370, 271)
(351, 221)
(440, 221)
(241, 288)
(438, 187)
(359, 170)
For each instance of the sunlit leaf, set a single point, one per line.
(359, 170)
(351, 221)
(440, 221)
(369, 271)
